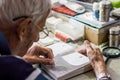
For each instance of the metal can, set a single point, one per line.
(114, 37)
(104, 11)
(119, 36)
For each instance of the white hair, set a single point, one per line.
(10, 9)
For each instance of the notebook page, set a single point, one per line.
(61, 48)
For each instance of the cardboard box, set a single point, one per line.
(98, 36)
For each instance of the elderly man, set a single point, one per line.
(20, 24)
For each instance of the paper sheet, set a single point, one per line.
(76, 59)
(61, 48)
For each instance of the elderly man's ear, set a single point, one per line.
(23, 27)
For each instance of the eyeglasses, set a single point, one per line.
(17, 18)
(44, 33)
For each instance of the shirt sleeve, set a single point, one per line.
(14, 68)
(36, 75)
(41, 77)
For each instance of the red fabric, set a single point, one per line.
(63, 9)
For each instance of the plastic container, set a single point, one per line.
(96, 10)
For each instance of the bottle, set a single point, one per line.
(114, 35)
(104, 11)
(96, 10)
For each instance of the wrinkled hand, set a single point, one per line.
(95, 57)
(39, 55)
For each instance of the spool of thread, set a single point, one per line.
(62, 37)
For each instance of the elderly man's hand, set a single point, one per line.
(39, 55)
(95, 57)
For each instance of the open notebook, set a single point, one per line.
(68, 62)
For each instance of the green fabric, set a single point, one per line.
(116, 4)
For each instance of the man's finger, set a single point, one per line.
(50, 53)
(45, 61)
(88, 47)
(46, 52)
